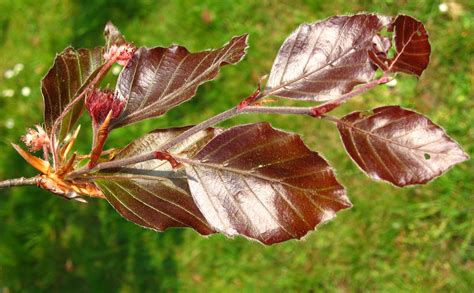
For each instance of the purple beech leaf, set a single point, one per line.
(412, 46)
(71, 72)
(322, 60)
(153, 194)
(398, 145)
(158, 79)
(263, 183)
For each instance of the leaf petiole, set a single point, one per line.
(321, 109)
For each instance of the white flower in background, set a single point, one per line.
(443, 7)
(9, 74)
(392, 83)
(116, 70)
(8, 93)
(25, 91)
(9, 123)
(18, 68)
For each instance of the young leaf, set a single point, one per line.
(156, 80)
(256, 181)
(398, 145)
(152, 194)
(323, 60)
(412, 45)
(72, 71)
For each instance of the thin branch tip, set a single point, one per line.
(22, 181)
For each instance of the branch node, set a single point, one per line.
(167, 157)
(319, 111)
(250, 99)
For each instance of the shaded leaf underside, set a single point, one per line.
(72, 71)
(155, 80)
(263, 183)
(151, 193)
(323, 60)
(398, 145)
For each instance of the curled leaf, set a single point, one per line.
(412, 48)
(265, 184)
(398, 145)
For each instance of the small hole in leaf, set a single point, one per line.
(427, 156)
(418, 33)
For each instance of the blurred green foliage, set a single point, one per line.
(414, 239)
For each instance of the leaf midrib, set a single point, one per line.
(368, 133)
(256, 175)
(275, 89)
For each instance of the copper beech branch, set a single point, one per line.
(249, 175)
(242, 108)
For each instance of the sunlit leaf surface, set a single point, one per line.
(263, 183)
(156, 80)
(322, 60)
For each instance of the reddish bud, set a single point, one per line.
(36, 140)
(250, 99)
(100, 103)
(167, 157)
(120, 54)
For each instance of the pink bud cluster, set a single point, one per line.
(100, 103)
(120, 54)
(36, 140)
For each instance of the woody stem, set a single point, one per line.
(19, 182)
(317, 111)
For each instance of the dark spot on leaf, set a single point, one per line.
(427, 156)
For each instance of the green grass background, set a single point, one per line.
(414, 239)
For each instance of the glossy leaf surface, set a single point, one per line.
(256, 181)
(398, 145)
(412, 46)
(156, 80)
(323, 60)
(152, 194)
(72, 71)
